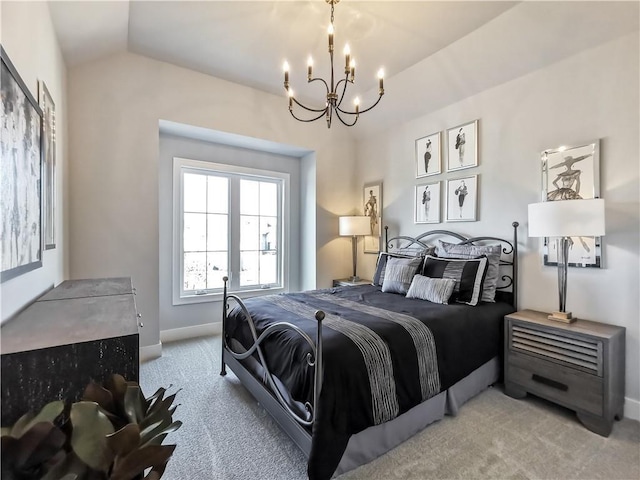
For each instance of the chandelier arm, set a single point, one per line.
(307, 120)
(344, 88)
(346, 123)
(361, 111)
(320, 80)
(323, 110)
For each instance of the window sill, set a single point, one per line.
(217, 297)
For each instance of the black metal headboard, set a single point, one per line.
(508, 260)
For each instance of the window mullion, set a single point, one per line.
(234, 232)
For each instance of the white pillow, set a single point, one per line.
(436, 290)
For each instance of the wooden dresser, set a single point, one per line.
(578, 365)
(80, 331)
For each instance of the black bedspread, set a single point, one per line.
(412, 363)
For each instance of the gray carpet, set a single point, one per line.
(227, 435)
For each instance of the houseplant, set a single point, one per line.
(113, 433)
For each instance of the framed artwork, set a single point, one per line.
(427, 203)
(462, 199)
(462, 146)
(372, 208)
(428, 155)
(572, 173)
(49, 165)
(20, 172)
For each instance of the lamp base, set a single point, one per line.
(564, 317)
(354, 279)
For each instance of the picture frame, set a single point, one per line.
(21, 171)
(372, 207)
(462, 199)
(427, 203)
(462, 146)
(569, 173)
(49, 165)
(428, 155)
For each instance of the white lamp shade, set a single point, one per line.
(567, 218)
(356, 225)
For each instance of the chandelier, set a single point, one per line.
(335, 91)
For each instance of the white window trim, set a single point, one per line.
(177, 227)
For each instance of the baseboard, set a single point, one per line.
(150, 352)
(631, 408)
(183, 333)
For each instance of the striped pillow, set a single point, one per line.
(436, 290)
(399, 274)
(378, 277)
(468, 274)
(493, 253)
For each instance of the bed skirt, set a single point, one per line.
(369, 444)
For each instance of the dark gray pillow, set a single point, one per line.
(378, 277)
(492, 252)
(468, 274)
(436, 290)
(399, 274)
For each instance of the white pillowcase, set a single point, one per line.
(436, 290)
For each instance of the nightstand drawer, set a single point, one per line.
(568, 387)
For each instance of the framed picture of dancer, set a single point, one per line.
(372, 208)
(572, 173)
(462, 199)
(428, 155)
(427, 203)
(462, 146)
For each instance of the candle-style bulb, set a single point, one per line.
(352, 66)
(330, 32)
(347, 57)
(381, 81)
(290, 98)
(356, 102)
(309, 68)
(285, 67)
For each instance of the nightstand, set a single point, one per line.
(346, 282)
(578, 365)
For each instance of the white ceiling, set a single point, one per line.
(486, 43)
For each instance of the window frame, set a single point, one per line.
(180, 165)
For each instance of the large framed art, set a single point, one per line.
(571, 173)
(427, 203)
(20, 174)
(428, 155)
(49, 165)
(372, 208)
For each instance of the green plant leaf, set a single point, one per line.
(117, 385)
(89, 436)
(146, 437)
(124, 440)
(20, 426)
(4, 431)
(70, 468)
(152, 456)
(134, 404)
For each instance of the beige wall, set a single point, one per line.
(27, 36)
(593, 95)
(115, 105)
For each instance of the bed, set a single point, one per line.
(351, 372)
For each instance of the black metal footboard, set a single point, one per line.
(313, 359)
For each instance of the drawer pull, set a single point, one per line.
(550, 383)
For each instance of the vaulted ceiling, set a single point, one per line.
(457, 47)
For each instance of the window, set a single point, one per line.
(228, 221)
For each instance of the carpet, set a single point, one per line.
(227, 435)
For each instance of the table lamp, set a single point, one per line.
(355, 226)
(564, 219)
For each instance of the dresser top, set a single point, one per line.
(585, 327)
(92, 287)
(76, 311)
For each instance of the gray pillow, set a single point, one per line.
(436, 290)
(381, 265)
(399, 274)
(492, 252)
